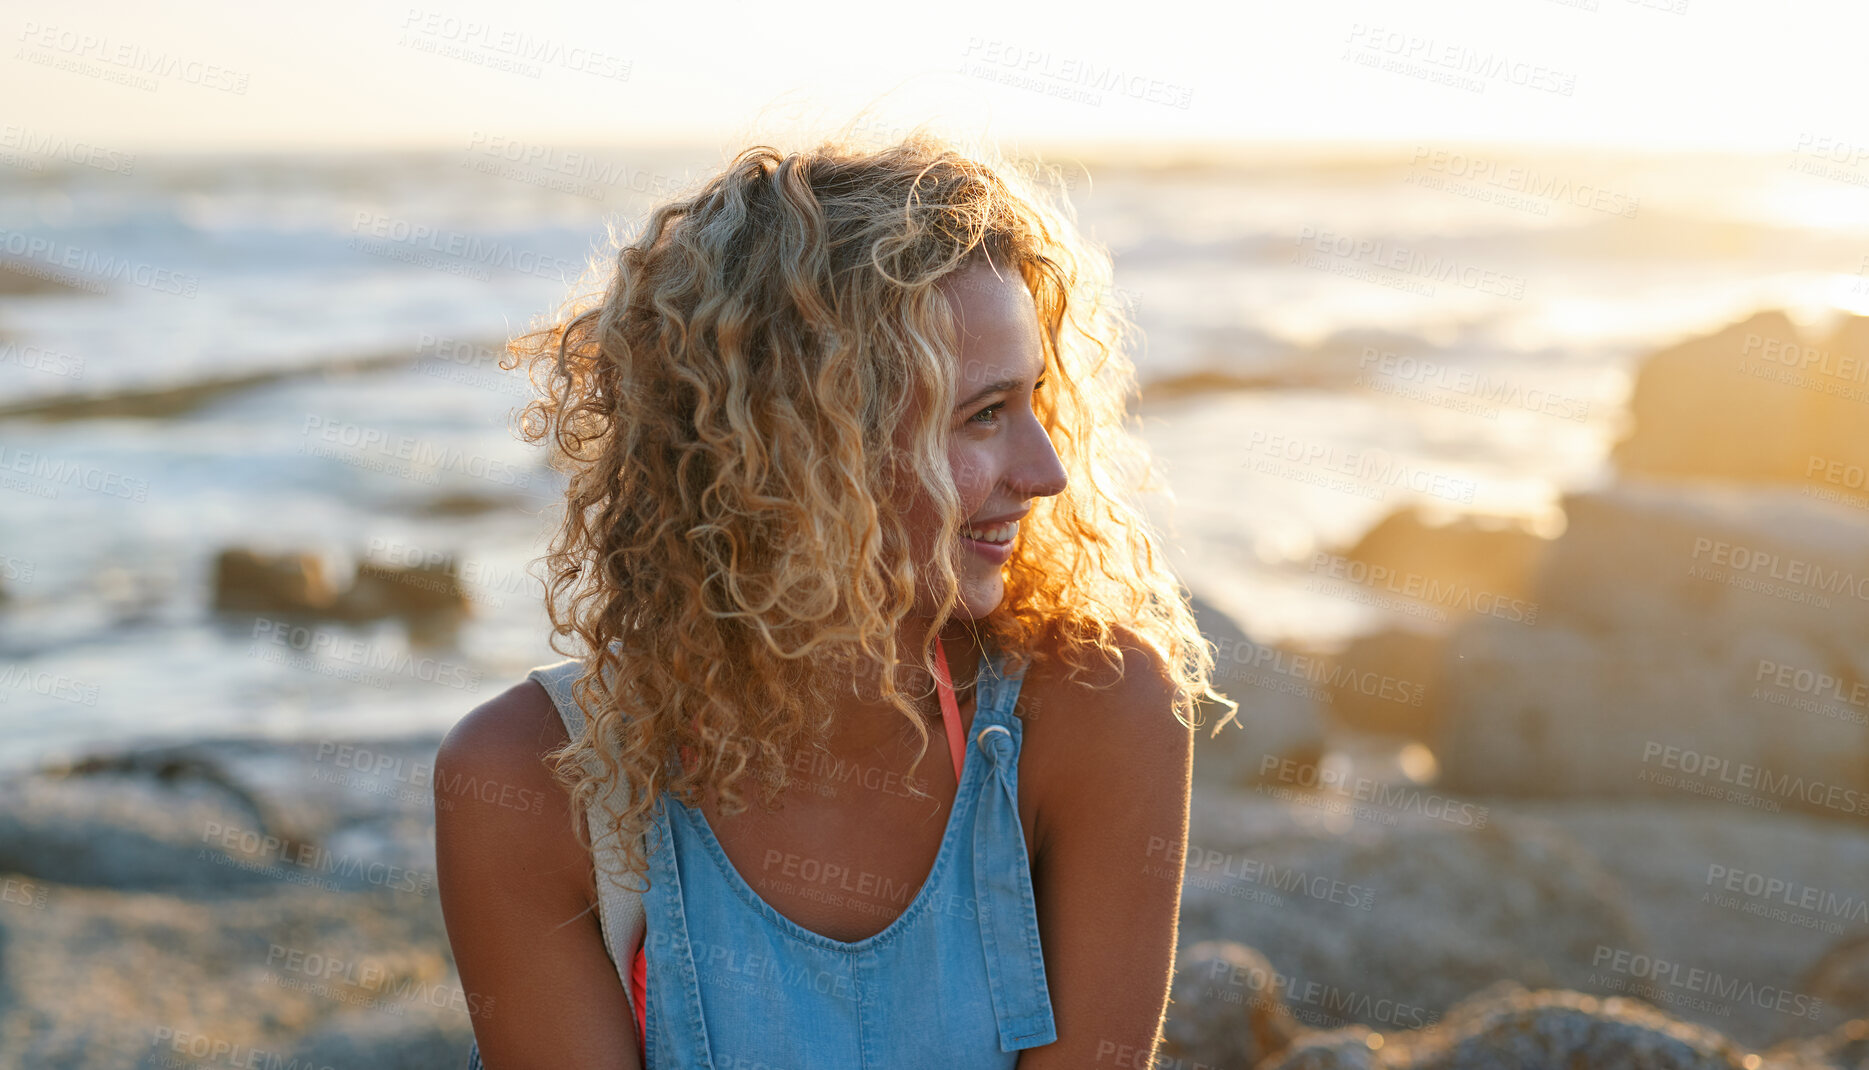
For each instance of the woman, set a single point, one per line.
(840, 420)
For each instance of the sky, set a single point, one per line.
(1661, 74)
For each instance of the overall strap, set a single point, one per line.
(1002, 874)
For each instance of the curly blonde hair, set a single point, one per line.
(728, 407)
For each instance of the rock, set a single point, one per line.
(1752, 402)
(465, 504)
(1226, 1008)
(1706, 557)
(1683, 626)
(1562, 712)
(20, 276)
(1276, 717)
(1352, 1047)
(130, 936)
(1509, 1027)
(225, 813)
(1468, 555)
(1557, 713)
(135, 819)
(1388, 683)
(162, 399)
(428, 594)
(15, 894)
(1840, 977)
(384, 590)
(1732, 891)
(1844, 1048)
(1384, 907)
(245, 581)
(365, 1038)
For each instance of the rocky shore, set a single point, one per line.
(227, 903)
(181, 906)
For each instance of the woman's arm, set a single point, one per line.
(518, 895)
(1112, 831)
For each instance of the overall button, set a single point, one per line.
(980, 736)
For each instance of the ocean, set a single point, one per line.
(304, 351)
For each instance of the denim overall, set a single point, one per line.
(957, 980)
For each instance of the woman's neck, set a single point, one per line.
(862, 719)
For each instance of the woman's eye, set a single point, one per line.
(998, 405)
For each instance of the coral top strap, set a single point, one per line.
(950, 710)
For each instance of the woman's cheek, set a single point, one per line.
(970, 480)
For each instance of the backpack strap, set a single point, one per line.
(619, 907)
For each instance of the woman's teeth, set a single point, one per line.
(999, 533)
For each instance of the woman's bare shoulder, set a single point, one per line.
(507, 733)
(518, 894)
(1138, 682)
(495, 788)
(1077, 732)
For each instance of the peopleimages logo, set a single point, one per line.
(1314, 1002)
(389, 984)
(20, 678)
(357, 658)
(65, 149)
(1812, 682)
(1694, 979)
(1375, 469)
(1430, 589)
(1321, 670)
(456, 246)
(1790, 354)
(129, 57)
(1075, 72)
(421, 458)
(1400, 798)
(311, 858)
(45, 475)
(521, 52)
(1202, 862)
(200, 1046)
(1465, 382)
(1750, 560)
(90, 269)
(1405, 261)
(1521, 178)
(1770, 891)
(1462, 59)
(1751, 777)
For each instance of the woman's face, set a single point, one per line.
(999, 454)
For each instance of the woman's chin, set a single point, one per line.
(982, 589)
(980, 598)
